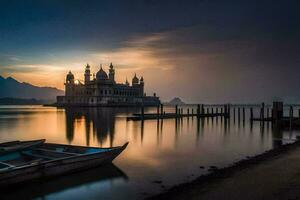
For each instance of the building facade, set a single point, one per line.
(102, 90)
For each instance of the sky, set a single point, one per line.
(204, 51)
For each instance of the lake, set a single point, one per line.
(160, 154)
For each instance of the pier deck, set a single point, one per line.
(136, 117)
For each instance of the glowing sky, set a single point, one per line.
(202, 51)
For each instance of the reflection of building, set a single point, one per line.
(99, 123)
(102, 90)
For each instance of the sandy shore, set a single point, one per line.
(274, 174)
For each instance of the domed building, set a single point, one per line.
(102, 90)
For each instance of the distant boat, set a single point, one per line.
(48, 160)
(13, 146)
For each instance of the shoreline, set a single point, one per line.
(225, 172)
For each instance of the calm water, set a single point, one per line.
(169, 151)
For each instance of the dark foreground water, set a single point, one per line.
(169, 151)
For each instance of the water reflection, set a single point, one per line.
(98, 122)
(155, 146)
(97, 176)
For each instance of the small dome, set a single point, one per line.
(70, 76)
(135, 79)
(142, 79)
(101, 74)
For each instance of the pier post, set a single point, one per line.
(221, 111)
(251, 114)
(157, 112)
(176, 110)
(243, 114)
(212, 110)
(263, 111)
(268, 113)
(188, 112)
(277, 111)
(207, 110)
(239, 113)
(217, 110)
(202, 109)
(181, 112)
(161, 109)
(142, 112)
(228, 112)
(234, 113)
(198, 110)
(291, 116)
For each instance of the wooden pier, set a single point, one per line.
(267, 113)
(179, 113)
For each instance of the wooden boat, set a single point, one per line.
(13, 146)
(48, 160)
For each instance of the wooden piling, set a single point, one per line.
(188, 112)
(161, 109)
(157, 112)
(198, 110)
(268, 113)
(239, 113)
(234, 113)
(142, 111)
(176, 110)
(243, 114)
(212, 110)
(291, 116)
(207, 110)
(277, 111)
(251, 114)
(263, 111)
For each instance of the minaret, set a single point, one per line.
(87, 74)
(111, 74)
(142, 86)
(69, 85)
(135, 81)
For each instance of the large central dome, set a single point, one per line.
(101, 75)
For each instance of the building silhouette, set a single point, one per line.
(102, 90)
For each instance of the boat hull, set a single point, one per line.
(52, 168)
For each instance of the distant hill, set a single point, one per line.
(17, 101)
(9, 87)
(175, 101)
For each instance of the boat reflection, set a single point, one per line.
(97, 176)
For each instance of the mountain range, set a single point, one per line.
(11, 88)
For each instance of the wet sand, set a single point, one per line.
(274, 174)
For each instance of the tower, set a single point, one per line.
(111, 74)
(135, 81)
(87, 74)
(142, 86)
(70, 83)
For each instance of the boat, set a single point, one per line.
(9, 147)
(49, 160)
